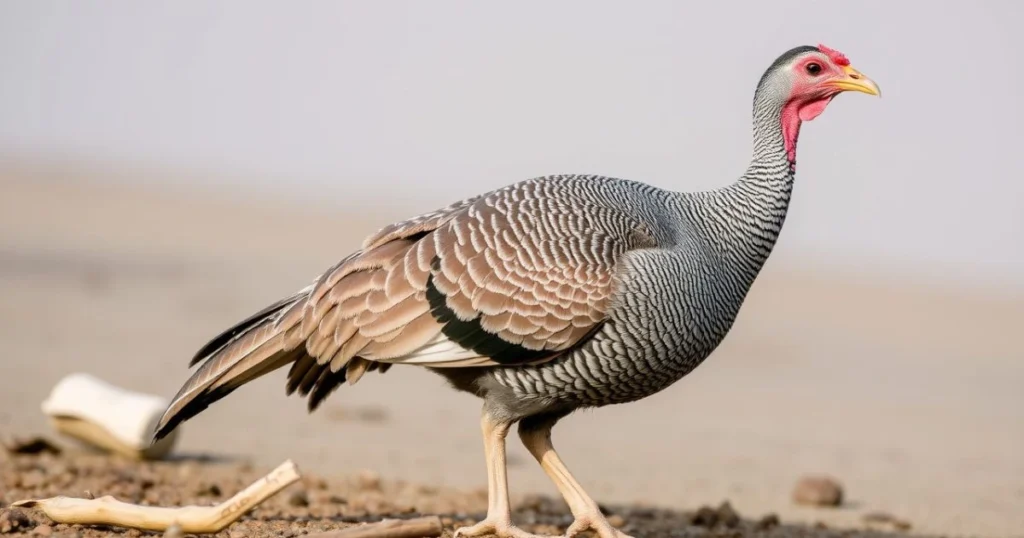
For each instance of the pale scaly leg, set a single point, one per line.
(499, 512)
(536, 435)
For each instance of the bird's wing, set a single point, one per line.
(512, 277)
(516, 276)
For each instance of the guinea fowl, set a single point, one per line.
(543, 297)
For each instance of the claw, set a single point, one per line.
(501, 529)
(599, 524)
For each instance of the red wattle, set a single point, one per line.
(813, 109)
(793, 114)
(790, 130)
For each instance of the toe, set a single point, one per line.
(480, 529)
(598, 524)
(500, 529)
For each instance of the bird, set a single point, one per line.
(544, 297)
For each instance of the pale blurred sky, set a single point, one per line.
(417, 104)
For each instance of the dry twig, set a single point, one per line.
(425, 527)
(192, 519)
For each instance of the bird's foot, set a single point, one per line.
(494, 527)
(594, 522)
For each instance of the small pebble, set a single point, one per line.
(617, 521)
(43, 530)
(818, 491)
(34, 445)
(14, 519)
(727, 515)
(705, 517)
(769, 521)
(209, 489)
(237, 534)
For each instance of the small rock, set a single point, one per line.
(43, 530)
(174, 531)
(209, 490)
(727, 515)
(705, 517)
(13, 520)
(617, 521)
(337, 499)
(818, 491)
(769, 521)
(33, 445)
(369, 480)
(298, 498)
(237, 534)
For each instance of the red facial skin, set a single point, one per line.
(809, 96)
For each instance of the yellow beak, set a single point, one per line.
(856, 81)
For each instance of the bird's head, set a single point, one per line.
(803, 81)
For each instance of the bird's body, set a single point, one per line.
(542, 297)
(677, 286)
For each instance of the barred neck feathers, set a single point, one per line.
(747, 216)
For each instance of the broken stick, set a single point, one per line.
(418, 527)
(192, 519)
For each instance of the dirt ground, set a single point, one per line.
(318, 504)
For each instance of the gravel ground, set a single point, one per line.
(318, 504)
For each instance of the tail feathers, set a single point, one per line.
(243, 353)
(226, 337)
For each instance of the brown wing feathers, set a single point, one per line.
(465, 286)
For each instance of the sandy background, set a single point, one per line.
(912, 397)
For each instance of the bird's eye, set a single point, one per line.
(813, 68)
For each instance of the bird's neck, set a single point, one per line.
(755, 206)
(776, 131)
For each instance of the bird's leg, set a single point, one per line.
(499, 513)
(536, 435)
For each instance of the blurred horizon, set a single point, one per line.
(221, 187)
